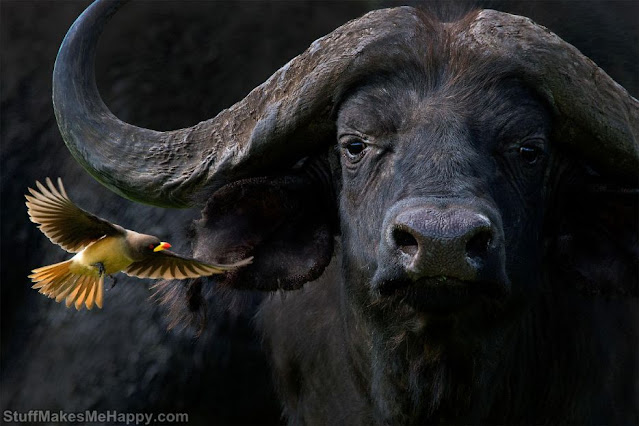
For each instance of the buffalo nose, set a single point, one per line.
(455, 242)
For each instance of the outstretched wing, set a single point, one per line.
(169, 265)
(64, 223)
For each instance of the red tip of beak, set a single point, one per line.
(162, 246)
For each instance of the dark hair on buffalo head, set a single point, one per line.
(438, 65)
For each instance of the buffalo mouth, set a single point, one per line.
(441, 295)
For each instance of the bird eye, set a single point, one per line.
(151, 246)
(530, 153)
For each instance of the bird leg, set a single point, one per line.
(100, 267)
(102, 273)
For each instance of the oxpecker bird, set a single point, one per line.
(102, 248)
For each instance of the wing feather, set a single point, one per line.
(168, 265)
(100, 292)
(65, 288)
(88, 302)
(82, 294)
(64, 223)
(180, 272)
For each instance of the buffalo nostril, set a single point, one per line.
(405, 241)
(478, 245)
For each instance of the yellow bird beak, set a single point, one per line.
(162, 246)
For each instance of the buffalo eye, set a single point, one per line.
(530, 153)
(354, 149)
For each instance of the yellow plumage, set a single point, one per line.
(111, 252)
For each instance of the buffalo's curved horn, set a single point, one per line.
(597, 117)
(290, 114)
(168, 168)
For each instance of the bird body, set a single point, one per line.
(101, 248)
(112, 253)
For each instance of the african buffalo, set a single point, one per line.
(448, 210)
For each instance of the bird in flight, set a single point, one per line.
(102, 248)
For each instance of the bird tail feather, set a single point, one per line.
(57, 281)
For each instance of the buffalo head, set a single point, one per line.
(446, 135)
(442, 185)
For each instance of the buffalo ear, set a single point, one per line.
(595, 235)
(286, 223)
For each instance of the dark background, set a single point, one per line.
(166, 65)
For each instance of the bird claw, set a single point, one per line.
(115, 281)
